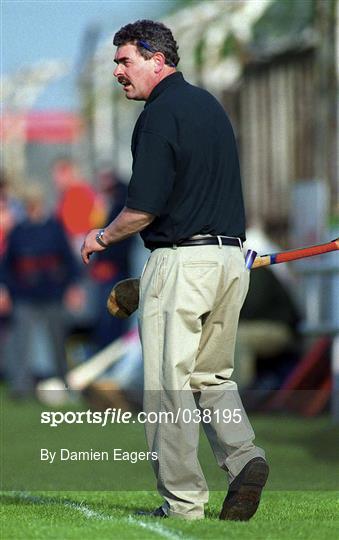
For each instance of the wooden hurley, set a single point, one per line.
(294, 254)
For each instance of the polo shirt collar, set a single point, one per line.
(174, 78)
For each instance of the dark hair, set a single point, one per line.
(155, 34)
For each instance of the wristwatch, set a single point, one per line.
(100, 240)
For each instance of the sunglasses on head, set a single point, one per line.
(149, 47)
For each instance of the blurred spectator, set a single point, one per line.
(79, 207)
(11, 211)
(267, 338)
(109, 266)
(37, 274)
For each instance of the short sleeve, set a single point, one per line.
(153, 174)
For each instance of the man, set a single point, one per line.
(38, 278)
(185, 198)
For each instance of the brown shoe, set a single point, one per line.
(243, 497)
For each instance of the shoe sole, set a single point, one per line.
(244, 502)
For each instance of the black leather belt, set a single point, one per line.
(208, 241)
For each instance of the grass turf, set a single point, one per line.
(301, 499)
(105, 515)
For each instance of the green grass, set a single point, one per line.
(41, 501)
(105, 515)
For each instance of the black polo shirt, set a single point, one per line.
(185, 165)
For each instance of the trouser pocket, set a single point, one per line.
(159, 275)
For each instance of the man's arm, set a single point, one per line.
(127, 223)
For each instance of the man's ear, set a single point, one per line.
(159, 62)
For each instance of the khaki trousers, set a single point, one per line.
(190, 299)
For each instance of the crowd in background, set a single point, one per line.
(47, 295)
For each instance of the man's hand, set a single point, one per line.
(128, 222)
(90, 245)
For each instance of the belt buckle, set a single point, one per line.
(235, 238)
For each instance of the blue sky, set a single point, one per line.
(54, 29)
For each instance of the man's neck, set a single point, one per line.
(164, 73)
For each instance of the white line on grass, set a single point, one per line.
(157, 528)
(88, 513)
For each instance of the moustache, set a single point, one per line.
(123, 81)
